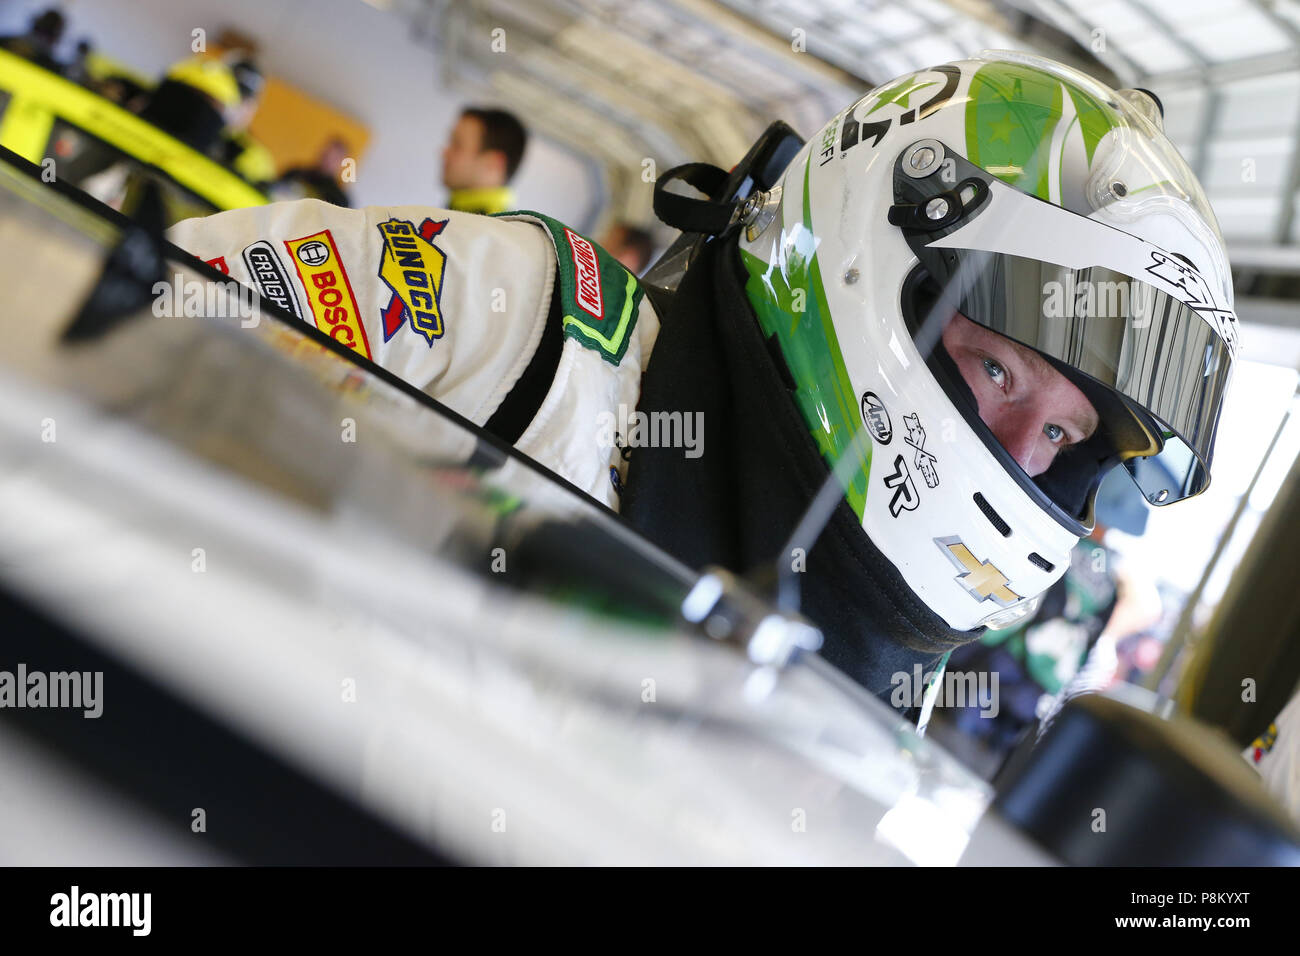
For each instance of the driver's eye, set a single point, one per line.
(1054, 433)
(995, 372)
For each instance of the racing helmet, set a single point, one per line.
(1012, 205)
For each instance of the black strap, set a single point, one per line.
(690, 214)
(519, 407)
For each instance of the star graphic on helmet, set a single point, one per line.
(1001, 129)
(899, 93)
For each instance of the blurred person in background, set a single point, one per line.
(630, 245)
(320, 181)
(193, 101)
(40, 41)
(190, 104)
(78, 68)
(482, 155)
(240, 150)
(207, 102)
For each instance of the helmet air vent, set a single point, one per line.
(995, 519)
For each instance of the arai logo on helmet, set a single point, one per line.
(876, 418)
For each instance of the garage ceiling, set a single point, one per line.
(630, 83)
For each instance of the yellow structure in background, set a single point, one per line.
(37, 97)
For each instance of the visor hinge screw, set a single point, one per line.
(922, 158)
(936, 208)
(851, 277)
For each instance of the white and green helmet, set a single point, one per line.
(1047, 207)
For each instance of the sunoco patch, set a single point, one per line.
(412, 267)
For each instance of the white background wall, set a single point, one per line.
(347, 54)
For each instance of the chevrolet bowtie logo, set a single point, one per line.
(984, 581)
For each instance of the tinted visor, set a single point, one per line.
(1121, 333)
(1154, 367)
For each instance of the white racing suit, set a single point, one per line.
(459, 305)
